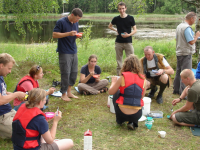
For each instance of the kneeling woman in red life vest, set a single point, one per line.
(30, 129)
(29, 82)
(128, 92)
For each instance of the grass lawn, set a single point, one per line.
(91, 112)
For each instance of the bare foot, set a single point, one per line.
(72, 95)
(65, 98)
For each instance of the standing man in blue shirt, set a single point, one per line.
(185, 47)
(6, 112)
(65, 30)
(124, 24)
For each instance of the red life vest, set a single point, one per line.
(26, 78)
(131, 93)
(23, 137)
(35, 84)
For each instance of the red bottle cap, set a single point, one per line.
(88, 133)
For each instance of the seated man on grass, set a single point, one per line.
(189, 114)
(6, 111)
(157, 71)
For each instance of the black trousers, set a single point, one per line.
(121, 117)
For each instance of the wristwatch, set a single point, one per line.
(180, 99)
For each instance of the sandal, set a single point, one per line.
(86, 93)
(101, 91)
(55, 83)
(105, 89)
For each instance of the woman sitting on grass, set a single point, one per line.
(29, 82)
(30, 124)
(128, 92)
(90, 82)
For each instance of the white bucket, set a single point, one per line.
(110, 101)
(147, 106)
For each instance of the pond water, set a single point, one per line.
(99, 30)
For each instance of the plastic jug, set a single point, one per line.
(149, 122)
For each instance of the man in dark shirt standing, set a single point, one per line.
(124, 23)
(65, 30)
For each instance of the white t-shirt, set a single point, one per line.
(152, 64)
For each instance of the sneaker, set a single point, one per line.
(131, 126)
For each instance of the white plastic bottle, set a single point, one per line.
(88, 140)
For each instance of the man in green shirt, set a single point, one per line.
(189, 114)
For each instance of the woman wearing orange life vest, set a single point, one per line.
(128, 92)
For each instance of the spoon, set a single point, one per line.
(172, 108)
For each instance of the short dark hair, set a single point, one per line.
(121, 4)
(190, 15)
(77, 12)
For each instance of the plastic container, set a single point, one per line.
(149, 122)
(79, 34)
(155, 114)
(49, 115)
(162, 134)
(95, 76)
(147, 106)
(110, 101)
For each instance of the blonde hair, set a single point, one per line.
(132, 64)
(187, 73)
(35, 96)
(6, 58)
(34, 70)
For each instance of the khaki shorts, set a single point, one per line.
(154, 80)
(45, 146)
(6, 124)
(190, 117)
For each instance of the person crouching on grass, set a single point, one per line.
(30, 127)
(128, 92)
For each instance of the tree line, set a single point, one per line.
(25, 11)
(133, 6)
